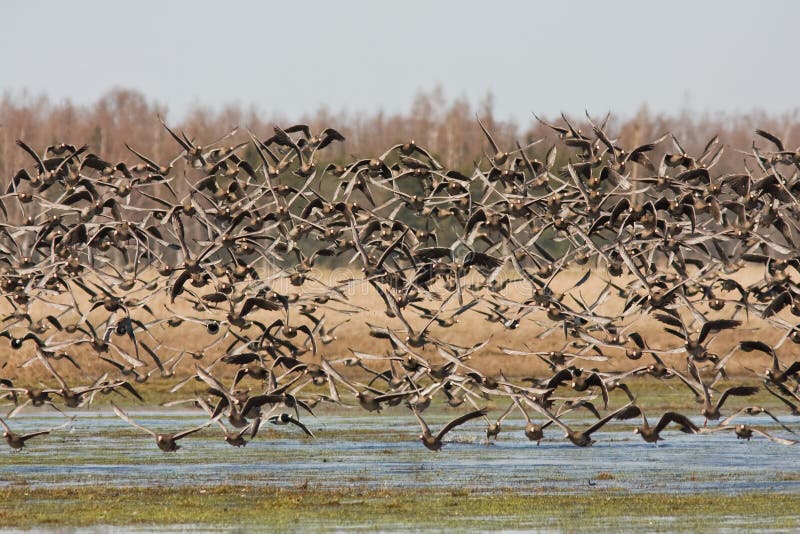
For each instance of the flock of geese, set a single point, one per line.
(121, 266)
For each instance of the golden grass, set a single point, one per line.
(472, 328)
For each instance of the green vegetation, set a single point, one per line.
(290, 508)
(656, 394)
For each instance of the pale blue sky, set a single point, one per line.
(293, 57)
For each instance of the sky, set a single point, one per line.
(291, 58)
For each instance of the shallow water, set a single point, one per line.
(383, 451)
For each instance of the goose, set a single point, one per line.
(17, 441)
(434, 443)
(652, 434)
(747, 432)
(165, 442)
(580, 438)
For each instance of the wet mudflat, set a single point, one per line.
(378, 462)
(383, 451)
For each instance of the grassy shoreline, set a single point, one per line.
(654, 393)
(321, 509)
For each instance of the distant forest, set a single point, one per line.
(448, 128)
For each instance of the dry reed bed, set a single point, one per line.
(471, 329)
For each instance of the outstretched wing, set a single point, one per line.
(461, 420)
(776, 439)
(185, 433)
(739, 391)
(292, 420)
(595, 427)
(681, 420)
(26, 437)
(122, 415)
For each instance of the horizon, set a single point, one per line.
(707, 58)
